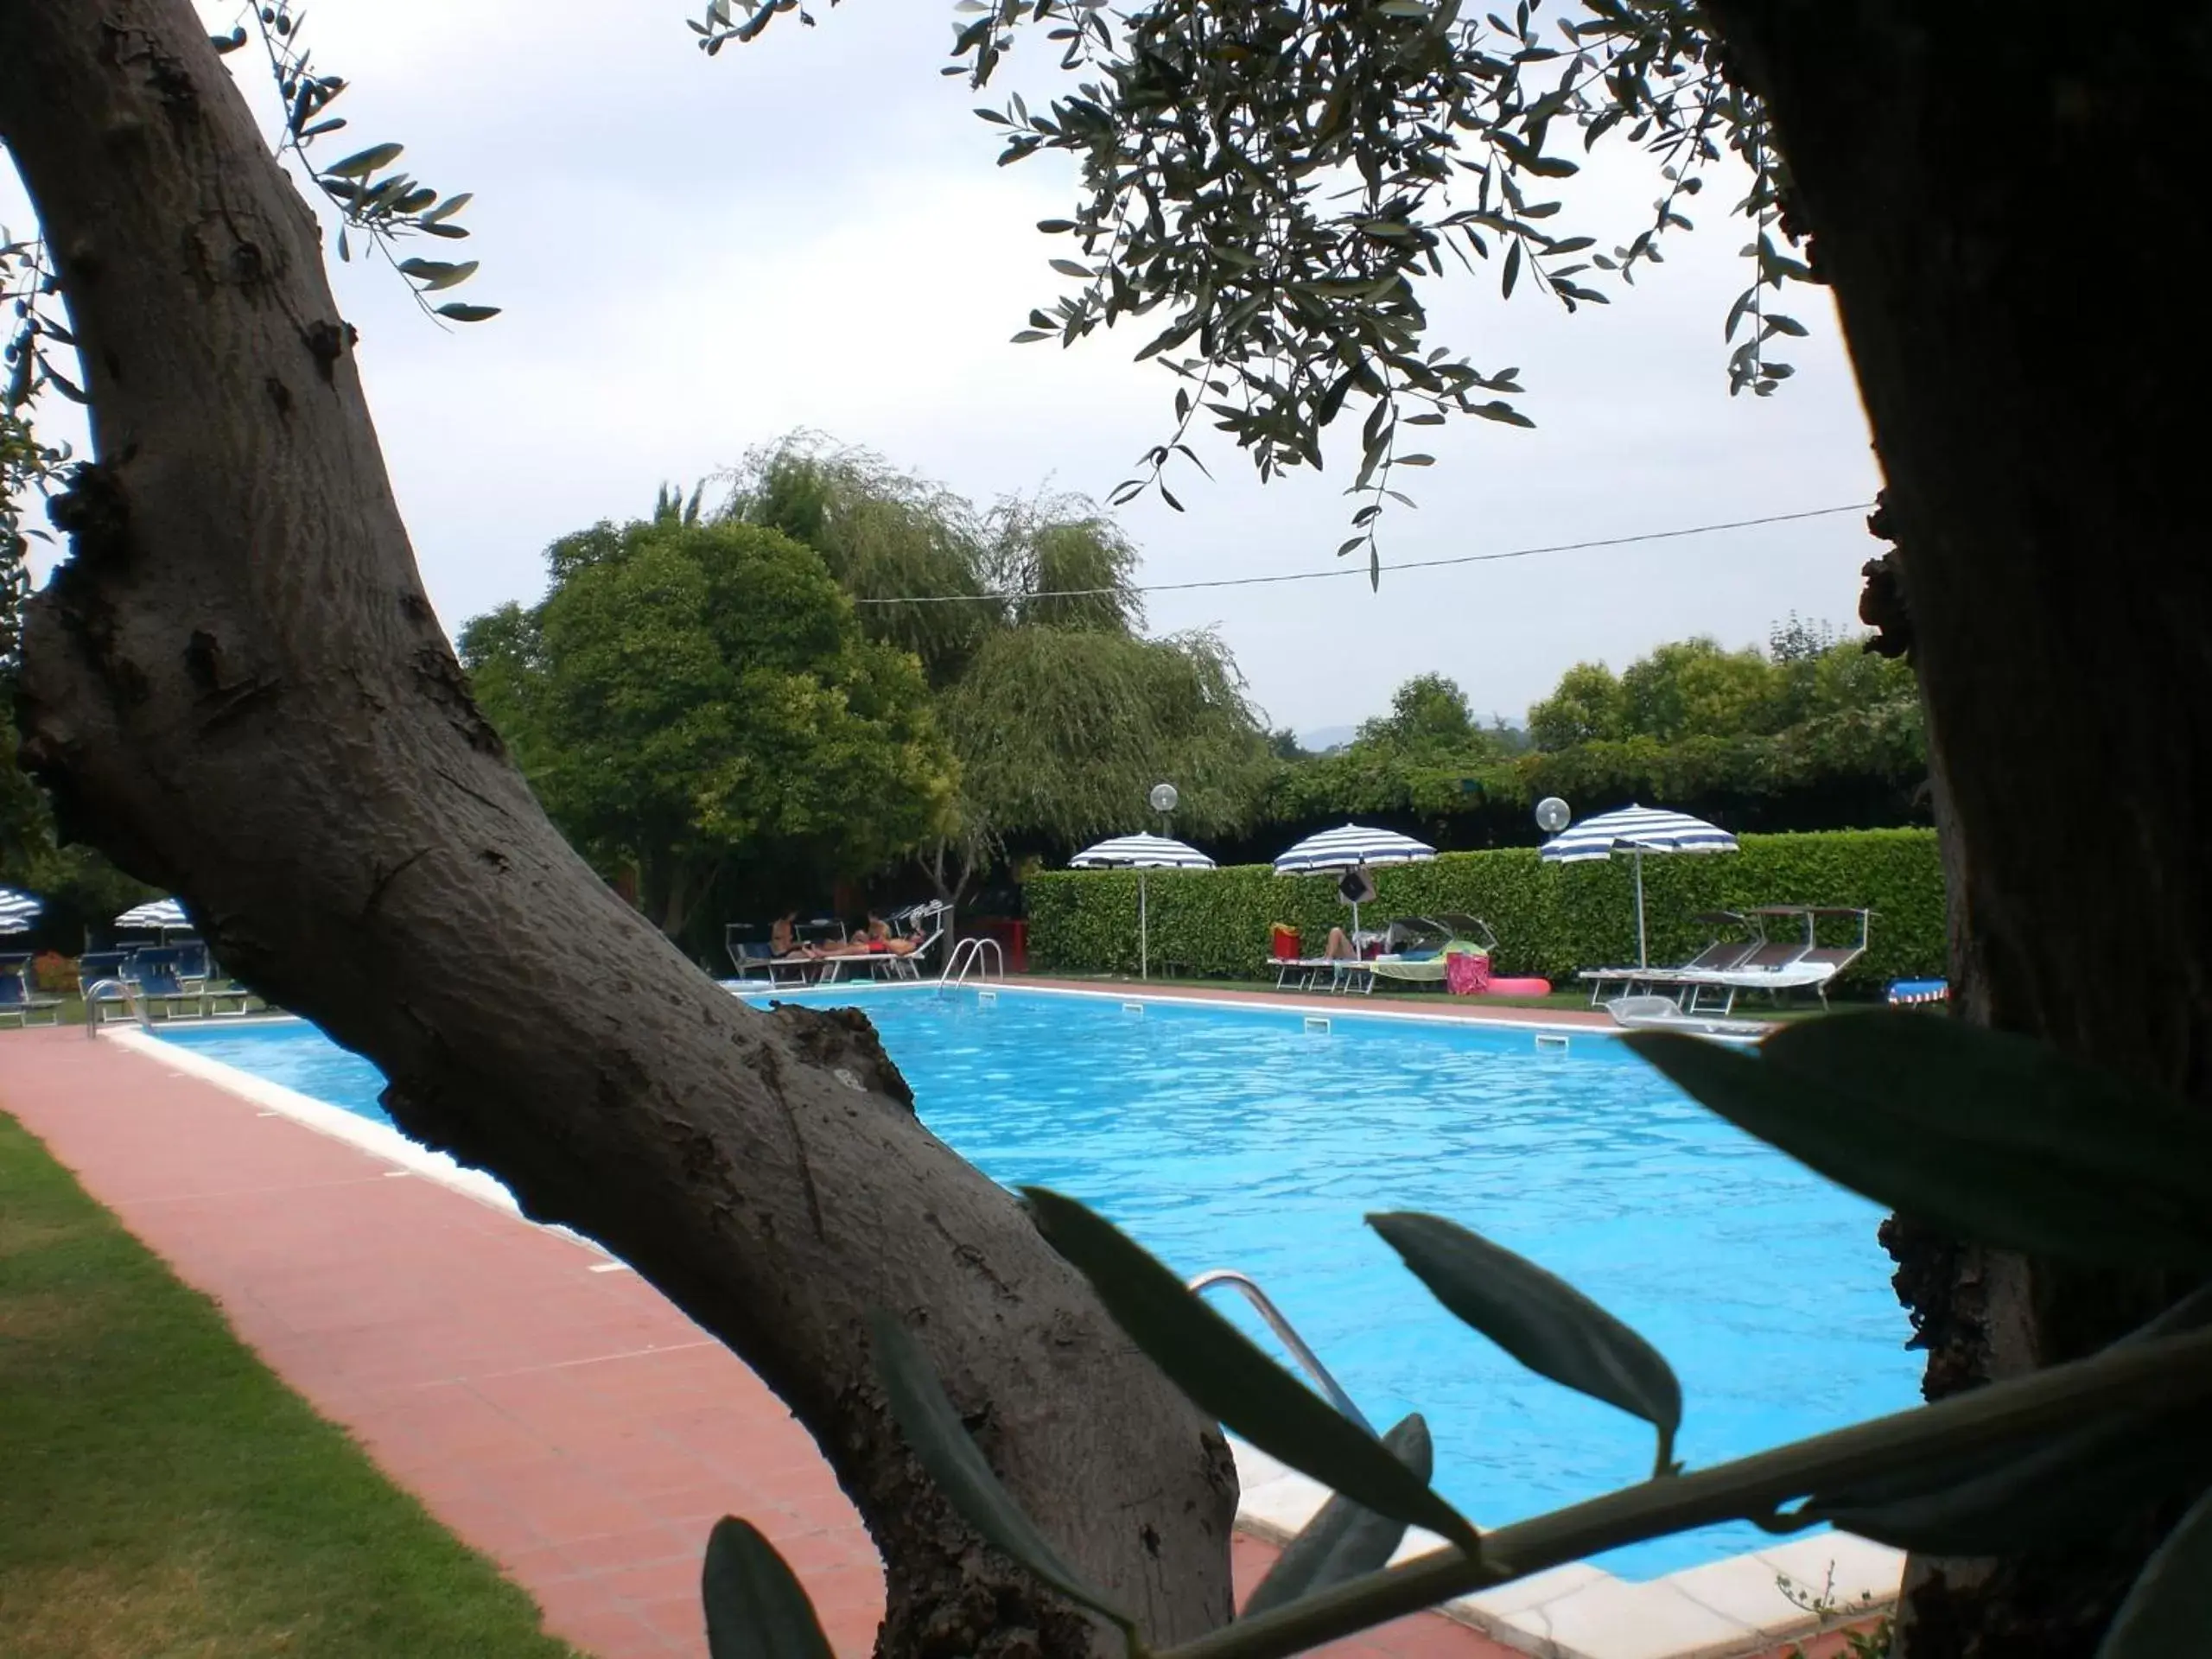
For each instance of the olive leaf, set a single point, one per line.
(1228, 1376)
(1342, 1540)
(2011, 1497)
(756, 1607)
(2167, 1615)
(1540, 1319)
(1997, 1138)
(933, 1429)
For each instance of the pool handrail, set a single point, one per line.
(127, 994)
(969, 955)
(1286, 1335)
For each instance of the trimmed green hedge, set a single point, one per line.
(1549, 920)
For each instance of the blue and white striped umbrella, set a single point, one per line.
(17, 911)
(1350, 846)
(1636, 831)
(158, 914)
(1141, 853)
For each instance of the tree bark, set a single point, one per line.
(1997, 197)
(237, 689)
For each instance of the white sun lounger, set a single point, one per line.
(1794, 965)
(1664, 1013)
(1719, 955)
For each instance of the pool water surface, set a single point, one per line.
(1238, 1138)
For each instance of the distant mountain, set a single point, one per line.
(1321, 739)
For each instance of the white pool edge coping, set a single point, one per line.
(378, 1140)
(1302, 1003)
(1726, 1609)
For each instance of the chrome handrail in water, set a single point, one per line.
(1289, 1336)
(969, 955)
(131, 1002)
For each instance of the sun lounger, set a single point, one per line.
(154, 971)
(1777, 967)
(1721, 954)
(1663, 1014)
(1294, 970)
(20, 1003)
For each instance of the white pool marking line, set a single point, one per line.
(1722, 1610)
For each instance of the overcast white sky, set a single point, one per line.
(697, 256)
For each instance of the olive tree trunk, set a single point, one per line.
(2007, 204)
(237, 689)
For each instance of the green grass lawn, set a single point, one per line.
(163, 1495)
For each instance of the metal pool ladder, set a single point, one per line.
(970, 956)
(130, 999)
(1286, 1335)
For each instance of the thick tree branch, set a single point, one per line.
(237, 688)
(1995, 197)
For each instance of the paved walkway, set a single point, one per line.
(546, 1404)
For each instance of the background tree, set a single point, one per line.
(1428, 716)
(694, 701)
(1061, 712)
(914, 556)
(1585, 707)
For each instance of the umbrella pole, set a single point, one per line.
(1144, 932)
(1643, 958)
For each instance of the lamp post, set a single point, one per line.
(1163, 802)
(1163, 799)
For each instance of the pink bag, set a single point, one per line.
(1466, 973)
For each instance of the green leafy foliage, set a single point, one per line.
(1815, 733)
(1550, 919)
(1992, 1137)
(1274, 187)
(1342, 1540)
(756, 1608)
(1540, 1319)
(1029, 606)
(1693, 688)
(688, 693)
(1224, 1373)
(374, 200)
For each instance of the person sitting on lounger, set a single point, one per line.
(783, 937)
(1340, 948)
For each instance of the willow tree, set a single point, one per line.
(1029, 622)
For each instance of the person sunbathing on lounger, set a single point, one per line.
(876, 939)
(1340, 948)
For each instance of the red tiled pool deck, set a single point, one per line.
(552, 1409)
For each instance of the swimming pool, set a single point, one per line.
(1238, 1138)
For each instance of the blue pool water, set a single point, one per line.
(1229, 1138)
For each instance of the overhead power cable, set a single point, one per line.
(1361, 569)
